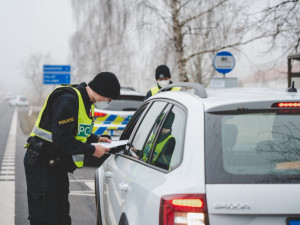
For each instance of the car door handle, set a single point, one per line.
(124, 186)
(108, 174)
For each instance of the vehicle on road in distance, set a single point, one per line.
(113, 119)
(18, 101)
(223, 156)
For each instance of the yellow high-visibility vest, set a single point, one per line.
(84, 130)
(158, 148)
(154, 90)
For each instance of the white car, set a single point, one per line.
(19, 101)
(235, 160)
(113, 119)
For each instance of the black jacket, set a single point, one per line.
(63, 106)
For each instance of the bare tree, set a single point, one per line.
(33, 71)
(100, 40)
(197, 29)
(281, 22)
(131, 37)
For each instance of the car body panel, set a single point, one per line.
(227, 203)
(253, 199)
(252, 203)
(112, 121)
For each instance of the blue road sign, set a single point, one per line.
(224, 62)
(57, 68)
(57, 74)
(53, 78)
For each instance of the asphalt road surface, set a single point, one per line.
(13, 198)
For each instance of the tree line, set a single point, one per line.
(132, 37)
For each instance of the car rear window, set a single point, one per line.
(261, 146)
(124, 103)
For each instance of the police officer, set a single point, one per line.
(165, 145)
(163, 78)
(57, 145)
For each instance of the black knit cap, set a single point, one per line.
(162, 71)
(106, 84)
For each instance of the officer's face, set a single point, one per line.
(98, 98)
(165, 130)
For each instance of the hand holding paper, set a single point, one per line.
(113, 144)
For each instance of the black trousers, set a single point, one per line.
(48, 194)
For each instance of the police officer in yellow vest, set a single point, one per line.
(164, 146)
(163, 78)
(57, 145)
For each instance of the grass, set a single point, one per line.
(27, 122)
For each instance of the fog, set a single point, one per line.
(45, 27)
(29, 27)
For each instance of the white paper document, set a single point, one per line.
(113, 144)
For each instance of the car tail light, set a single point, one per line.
(99, 114)
(286, 104)
(183, 209)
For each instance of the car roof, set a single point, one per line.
(130, 91)
(228, 98)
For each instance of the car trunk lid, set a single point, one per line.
(252, 203)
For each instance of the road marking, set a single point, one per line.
(89, 183)
(7, 176)
(81, 180)
(82, 193)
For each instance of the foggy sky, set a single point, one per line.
(32, 27)
(45, 26)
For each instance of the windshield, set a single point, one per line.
(124, 103)
(253, 146)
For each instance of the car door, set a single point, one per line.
(122, 171)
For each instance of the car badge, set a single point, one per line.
(231, 206)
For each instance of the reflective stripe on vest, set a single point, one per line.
(148, 147)
(85, 126)
(156, 89)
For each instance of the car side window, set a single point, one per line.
(130, 126)
(145, 155)
(167, 153)
(145, 127)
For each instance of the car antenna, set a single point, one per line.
(292, 88)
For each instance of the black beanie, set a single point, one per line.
(106, 84)
(162, 71)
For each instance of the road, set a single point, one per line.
(13, 198)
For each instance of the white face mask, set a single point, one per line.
(163, 83)
(103, 105)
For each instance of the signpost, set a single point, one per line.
(57, 74)
(223, 62)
